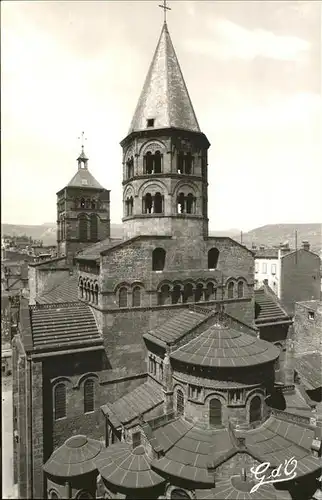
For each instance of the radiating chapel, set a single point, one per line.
(139, 368)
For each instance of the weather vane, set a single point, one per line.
(165, 8)
(82, 138)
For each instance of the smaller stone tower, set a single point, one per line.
(83, 211)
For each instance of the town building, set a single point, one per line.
(138, 371)
(293, 275)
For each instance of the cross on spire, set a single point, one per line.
(82, 138)
(165, 8)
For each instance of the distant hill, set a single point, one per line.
(274, 234)
(269, 235)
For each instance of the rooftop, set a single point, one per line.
(75, 457)
(59, 289)
(93, 252)
(164, 97)
(129, 407)
(309, 369)
(63, 326)
(224, 347)
(313, 305)
(268, 308)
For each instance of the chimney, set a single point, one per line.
(253, 246)
(261, 247)
(283, 249)
(306, 245)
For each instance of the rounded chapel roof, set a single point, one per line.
(74, 457)
(223, 347)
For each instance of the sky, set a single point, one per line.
(253, 72)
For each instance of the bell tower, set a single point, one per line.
(165, 155)
(83, 211)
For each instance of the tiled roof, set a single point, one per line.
(84, 179)
(295, 403)
(309, 368)
(278, 440)
(313, 305)
(267, 307)
(266, 253)
(93, 252)
(63, 326)
(74, 458)
(222, 346)
(139, 401)
(173, 329)
(164, 96)
(59, 289)
(127, 468)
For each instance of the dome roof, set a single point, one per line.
(128, 468)
(74, 457)
(223, 347)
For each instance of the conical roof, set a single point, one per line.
(223, 347)
(164, 97)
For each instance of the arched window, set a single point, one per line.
(188, 163)
(213, 256)
(94, 227)
(130, 205)
(123, 297)
(93, 204)
(190, 203)
(130, 167)
(180, 161)
(89, 396)
(60, 401)
(179, 494)
(88, 203)
(176, 294)
(199, 293)
(180, 402)
(240, 289)
(147, 203)
(81, 288)
(92, 296)
(164, 295)
(82, 227)
(96, 294)
(158, 259)
(82, 203)
(158, 202)
(210, 293)
(148, 161)
(188, 293)
(181, 203)
(87, 291)
(214, 412)
(157, 162)
(136, 296)
(255, 409)
(231, 287)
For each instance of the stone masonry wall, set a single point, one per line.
(300, 278)
(307, 332)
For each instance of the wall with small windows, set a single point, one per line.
(307, 327)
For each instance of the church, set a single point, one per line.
(139, 370)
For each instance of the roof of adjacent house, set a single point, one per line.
(223, 347)
(129, 407)
(268, 308)
(228, 488)
(128, 468)
(63, 326)
(74, 458)
(164, 96)
(309, 368)
(313, 305)
(266, 253)
(58, 289)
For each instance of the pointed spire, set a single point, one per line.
(164, 100)
(82, 159)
